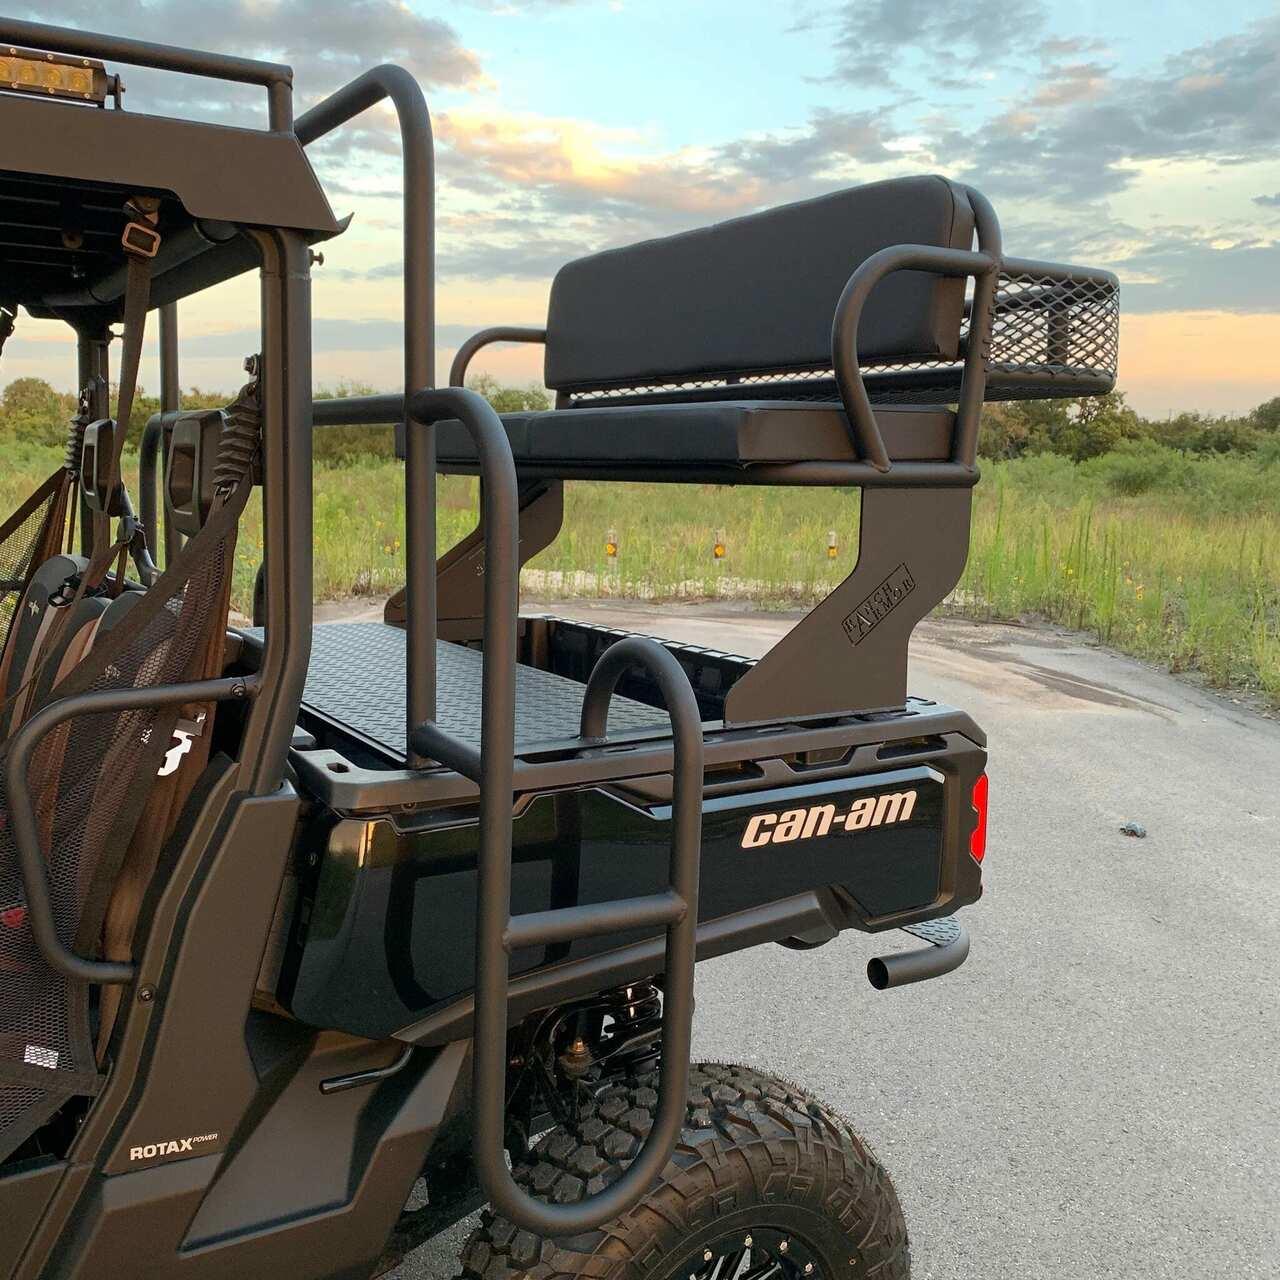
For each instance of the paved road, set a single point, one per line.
(1096, 1093)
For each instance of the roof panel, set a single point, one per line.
(217, 172)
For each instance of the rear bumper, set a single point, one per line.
(864, 824)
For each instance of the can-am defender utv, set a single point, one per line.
(305, 932)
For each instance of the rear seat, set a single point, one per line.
(713, 348)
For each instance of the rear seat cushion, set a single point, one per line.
(728, 433)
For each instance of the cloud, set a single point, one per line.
(1075, 82)
(571, 166)
(951, 39)
(1083, 133)
(522, 6)
(1268, 202)
(339, 187)
(799, 154)
(327, 335)
(525, 193)
(535, 256)
(1069, 46)
(328, 42)
(1186, 271)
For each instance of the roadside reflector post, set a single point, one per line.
(611, 550)
(719, 548)
(833, 546)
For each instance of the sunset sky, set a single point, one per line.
(1143, 136)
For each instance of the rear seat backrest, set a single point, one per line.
(759, 293)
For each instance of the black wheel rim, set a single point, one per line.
(759, 1253)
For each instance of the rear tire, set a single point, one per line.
(765, 1182)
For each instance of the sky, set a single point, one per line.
(1143, 136)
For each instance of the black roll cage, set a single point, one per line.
(274, 692)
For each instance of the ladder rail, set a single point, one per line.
(676, 908)
(498, 933)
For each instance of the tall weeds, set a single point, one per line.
(1173, 559)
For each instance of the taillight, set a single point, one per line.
(978, 838)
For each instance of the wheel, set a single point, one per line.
(765, 1183)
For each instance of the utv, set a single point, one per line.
(313, 939)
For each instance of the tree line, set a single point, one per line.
(33, 412)
(1094, 425)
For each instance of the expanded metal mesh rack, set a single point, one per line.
(1055, 333)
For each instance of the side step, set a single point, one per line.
(675, 908)
(492, 768)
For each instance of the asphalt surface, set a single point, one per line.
(1096, 1093)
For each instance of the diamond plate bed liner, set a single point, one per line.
(356, 682)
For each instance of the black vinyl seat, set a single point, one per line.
(723, 433)
(727, 348)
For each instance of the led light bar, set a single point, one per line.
(54, 75)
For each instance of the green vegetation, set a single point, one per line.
(1165, 543)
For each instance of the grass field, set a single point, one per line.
(1171, 559)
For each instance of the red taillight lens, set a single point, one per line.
(978, 840)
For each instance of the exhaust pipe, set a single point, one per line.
(947, 950)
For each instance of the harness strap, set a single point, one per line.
(141, 242)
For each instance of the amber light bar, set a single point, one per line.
(53, 75)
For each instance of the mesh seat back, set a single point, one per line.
(94, 783)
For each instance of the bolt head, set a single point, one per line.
(707, 1255)
(747, 1242)
(808, 1268)
(784, 1246)
(146, 994)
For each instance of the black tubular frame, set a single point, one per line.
(170, 402)
(153, 456)
(499, 333)
(984, 266)
(22, 815)
(417, 146)
(153, 448)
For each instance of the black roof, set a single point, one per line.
(66, 171)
